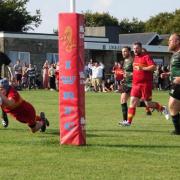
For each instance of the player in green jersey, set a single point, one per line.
(127, 84)
(174, 99)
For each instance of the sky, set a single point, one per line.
(141, 9)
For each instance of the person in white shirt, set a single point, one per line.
(97, 75)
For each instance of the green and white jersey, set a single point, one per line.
(175, 65)
(128, 69)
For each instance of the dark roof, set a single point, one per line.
(164, 36)
(144, 38)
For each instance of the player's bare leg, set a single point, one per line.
(174, 108)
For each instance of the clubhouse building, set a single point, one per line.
(101, 43)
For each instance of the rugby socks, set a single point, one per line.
(142, 104)
(131, 113)
(147, 109)
(38, 118)
(124, 111)
(158, 106)
(176, 122)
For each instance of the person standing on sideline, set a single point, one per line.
(143, 66)
(97, 75)
(51, 72)
(174, 99)
(31, 74)
(118, 76)
(45, 70)
(57, 76)
(18, 73)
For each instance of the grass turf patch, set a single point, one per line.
(146, 150)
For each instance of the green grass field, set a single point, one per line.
(146, 150)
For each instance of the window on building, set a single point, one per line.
(52, 57)
(22, 56)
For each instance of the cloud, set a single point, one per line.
(102, 5)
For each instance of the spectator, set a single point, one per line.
(18, 73)
(90, 64)
(51, 73)
(24, 81)
(166, 80)
(31, 74)
(113, 70)
(46, 75)
(86, 70)
(57, 76)
(97, 75)
(108, 86)
(118, 76)
(160, 80)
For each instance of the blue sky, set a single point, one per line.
(141, 9)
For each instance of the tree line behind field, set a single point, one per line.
(163, 23)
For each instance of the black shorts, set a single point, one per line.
(175, 91)
(125, 89)
(18, 77)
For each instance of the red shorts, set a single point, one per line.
(142, 91)
(25, 113)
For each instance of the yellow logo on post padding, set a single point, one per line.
(67, 39)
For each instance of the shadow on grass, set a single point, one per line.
(126, 130)
(133, 146)
(14, 129)
(54, 132)
(48, 132)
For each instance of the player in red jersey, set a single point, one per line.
(12, 103)
(142, 84)
(118, 76)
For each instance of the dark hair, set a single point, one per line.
(127, 47)
(138, 43)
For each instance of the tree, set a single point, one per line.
(134, 26)
(175, 24)
(105, 19)
(99, 19)
(14, 16)
(164, 23)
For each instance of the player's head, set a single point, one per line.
(4, 86)
(18, 61)
(137, 48)
(174, 42)
(126, 52)
(96, 63)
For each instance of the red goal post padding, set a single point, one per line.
(71, 79)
